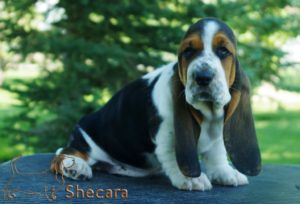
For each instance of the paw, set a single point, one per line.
(226, 175)
(198, 184)
(75, 168)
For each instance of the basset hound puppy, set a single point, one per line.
(165, 121)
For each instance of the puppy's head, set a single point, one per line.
(207, 62)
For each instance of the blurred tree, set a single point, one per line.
(98, 46)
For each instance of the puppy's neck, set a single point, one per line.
(210, 111)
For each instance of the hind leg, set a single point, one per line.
(72, 164)
(76, 164)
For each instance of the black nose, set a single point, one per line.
(204, 77)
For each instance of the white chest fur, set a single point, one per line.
(211, 130)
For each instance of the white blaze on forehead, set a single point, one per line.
(210, 29)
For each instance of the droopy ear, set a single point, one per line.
(186, 132)
(239, 131)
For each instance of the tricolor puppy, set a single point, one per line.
(198, 107)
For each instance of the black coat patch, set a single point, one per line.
(126, 125)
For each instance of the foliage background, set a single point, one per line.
(63, 59)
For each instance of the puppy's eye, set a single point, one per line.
(189, 52)
(222, 52)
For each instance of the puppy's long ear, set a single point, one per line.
(239, 131)
(186, 132)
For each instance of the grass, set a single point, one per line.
(279, 138)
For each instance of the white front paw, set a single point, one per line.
(226, 175)
(200, 183)
(75, 168)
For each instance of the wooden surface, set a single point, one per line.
(28, 180)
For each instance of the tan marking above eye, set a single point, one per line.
(193, 41)
(221, 39)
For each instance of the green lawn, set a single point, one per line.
(279, 136)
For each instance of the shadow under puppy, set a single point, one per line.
(163, 122)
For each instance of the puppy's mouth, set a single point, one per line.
(204, 96)
(207, 96)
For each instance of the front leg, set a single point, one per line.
(165, 153)
(218, 169)
(178, 180)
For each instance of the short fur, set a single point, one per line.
(163, 122)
